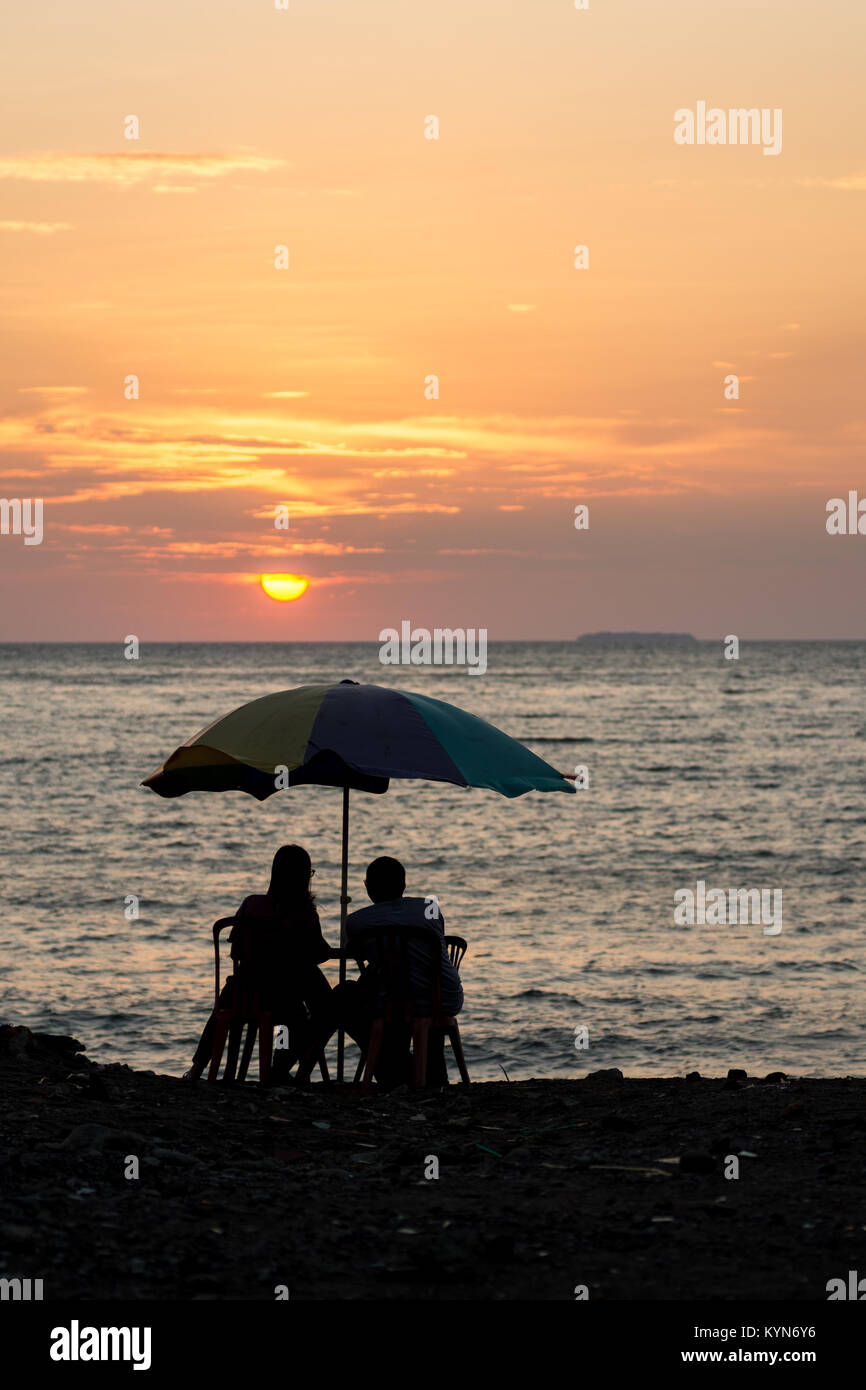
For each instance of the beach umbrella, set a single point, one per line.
(354, 737)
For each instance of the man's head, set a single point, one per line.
(386, 879)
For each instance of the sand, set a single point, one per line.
(614, 1185)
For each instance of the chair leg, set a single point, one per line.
(312, 1054)
(359, 1070)
(219, 1042)
(266, 1043)
(457, 1049)
(377, 1032)
(249, 1043)
(235, 1030)
(420, 1036)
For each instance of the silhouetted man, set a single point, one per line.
(385, 884)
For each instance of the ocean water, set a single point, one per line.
(744, 774)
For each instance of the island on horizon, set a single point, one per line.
(636, 637)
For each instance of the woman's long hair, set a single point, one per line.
(290, 879)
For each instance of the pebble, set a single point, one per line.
(697, 1162)
(17, 1234)
(175, 1156)
(87, 1136)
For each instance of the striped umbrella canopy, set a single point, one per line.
(351, 736)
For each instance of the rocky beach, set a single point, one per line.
(127, 1185)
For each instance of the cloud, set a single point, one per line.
(53, 390)
(414, 473)
(487, 550)
(253, 549)
(166, 575)
(284, 395)
(95, 528)
(40, 228)
(125, 170)
(846, 183)
(322, 467)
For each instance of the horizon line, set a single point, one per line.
(373, 642)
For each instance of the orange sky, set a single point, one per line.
(411, 257)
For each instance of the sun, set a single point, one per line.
(284, 586)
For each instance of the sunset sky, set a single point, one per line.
(410, 257)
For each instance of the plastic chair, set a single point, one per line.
(245, 1010)
(386, 950)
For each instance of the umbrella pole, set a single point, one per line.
(344, 912)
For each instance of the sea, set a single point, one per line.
(745, 773)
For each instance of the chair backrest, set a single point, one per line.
(387, 951)
(259, 960)
(457, 948)
(218, 926)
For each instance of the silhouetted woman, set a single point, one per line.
(277, 945)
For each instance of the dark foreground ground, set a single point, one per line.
(543, 1185)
